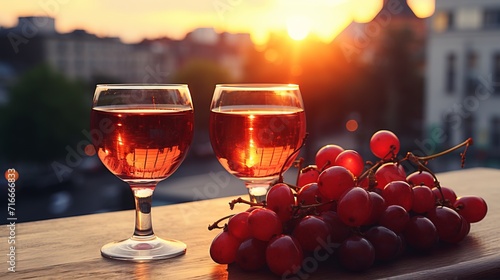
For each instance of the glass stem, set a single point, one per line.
(143, 201)
(257, 191)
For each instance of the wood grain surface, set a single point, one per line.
(68, 248)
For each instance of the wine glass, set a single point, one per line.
(142, 133)
(255, 129)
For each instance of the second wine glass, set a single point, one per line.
(255, 129)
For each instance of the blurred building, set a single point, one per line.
(463, 76)
(229, 50)
(85, 56)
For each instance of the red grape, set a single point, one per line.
(423, 199)
(387, 173)
(449, 196)
(354, 207)
(308, 175)
(238, 226)
(284, 255)
(398, 193)
(472, 208)
(224, 247)
(334, 181)
(325, 157)
(264, 224)
(402, 245)
(394, 218)
(356, 253)
(447, 221)
(251, 254)
(418, 178)
(310, 194)
(338, 230)
(251, 208)
(384, 144)
(351, 160)
(385, 242)
(280, 199)
(462, 233)
(310, 231)
(420, 234)
(378, 207)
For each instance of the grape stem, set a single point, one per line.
(422, 161)
(301, 207)
(466, 143)
(298, 164)
(216, 223)
(293, 154)
(391, 153)
(241, 200)
(370, 171)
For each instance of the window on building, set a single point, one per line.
(468, 18)
(496, 74)
(450, 73)
(495, 132)
(471, 79)
(491, 18)
(444, 20)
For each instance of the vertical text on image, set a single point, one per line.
(11, 175)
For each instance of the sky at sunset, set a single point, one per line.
(134, 20)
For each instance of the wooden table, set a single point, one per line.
(68, 248)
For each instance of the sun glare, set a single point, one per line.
(298, 27)
(422, 8)
(365, 10)
(324, 19)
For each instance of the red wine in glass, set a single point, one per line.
(144, 143)
(255, 131)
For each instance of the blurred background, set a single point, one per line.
(427, 70)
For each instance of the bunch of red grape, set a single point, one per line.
(342, 210)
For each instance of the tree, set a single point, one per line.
(46, 112)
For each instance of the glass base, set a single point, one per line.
(142, 249)
(257, 192)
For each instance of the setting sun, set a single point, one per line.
(298, 27)
(323, 19)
